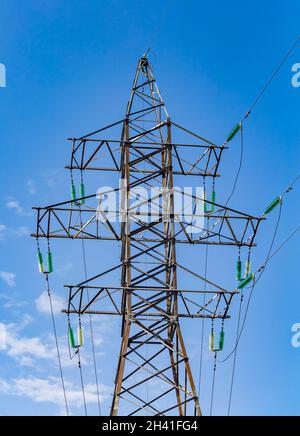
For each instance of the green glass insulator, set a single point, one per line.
(221, 340)
(40, 262)
(71, 338)
(247, 268)
(80, 336)
(50, 262)
(246, 281)
(212, 342)
(213, 200)
(273, 205)
(206, 208)
(73, 192)
(233, 133)
(82, 193)
(239, 270)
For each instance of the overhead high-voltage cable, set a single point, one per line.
(88, 297)
(56, 344)
(239, 126)
(260, 271)
(46, 270)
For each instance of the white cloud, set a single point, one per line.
(25, 321)
(12, 301)
(39, 356)
(32, 351)
(15, 205)
(4, 387)
(50, 177)
(9, 278)
(2, 337)
(21, 231)
(50, 391)
(31, 187)
(43, 306)
(2, 231)
(22, 347)
(64, 269)
(16, 232)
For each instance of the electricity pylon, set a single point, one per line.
(153, 373)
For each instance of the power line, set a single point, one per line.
(291, 186)
(239, 167)
(235, 354)
(213, 385)
(91, 328)
(261, 270)
(254, 104)
(273, 76)
(56, 343)
(203, 322)
(285, 242)
(82, 382)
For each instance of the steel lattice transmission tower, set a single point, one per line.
(153, 373)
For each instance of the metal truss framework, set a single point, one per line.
(148, 151)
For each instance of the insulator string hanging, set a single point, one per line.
(48, 290)
(73, 345)
(213, 384)
(239, 266)
(222, 338)
(91, 328)
(203, 324)
(235, 354)
(248, 264)
(82, 189)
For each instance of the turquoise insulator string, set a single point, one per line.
(222, 338)
(248, 264)
(71, 337)
(80, 335)
(40, 262)
(239, 267)
(273, 205)
(234, 132)
(82, 189)
(213, 196)
(212, 341)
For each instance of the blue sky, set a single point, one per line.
(70, 66)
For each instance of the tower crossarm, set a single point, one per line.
(224, 226)
(106, 300)
(95, 154)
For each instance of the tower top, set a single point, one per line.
(145, 98)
